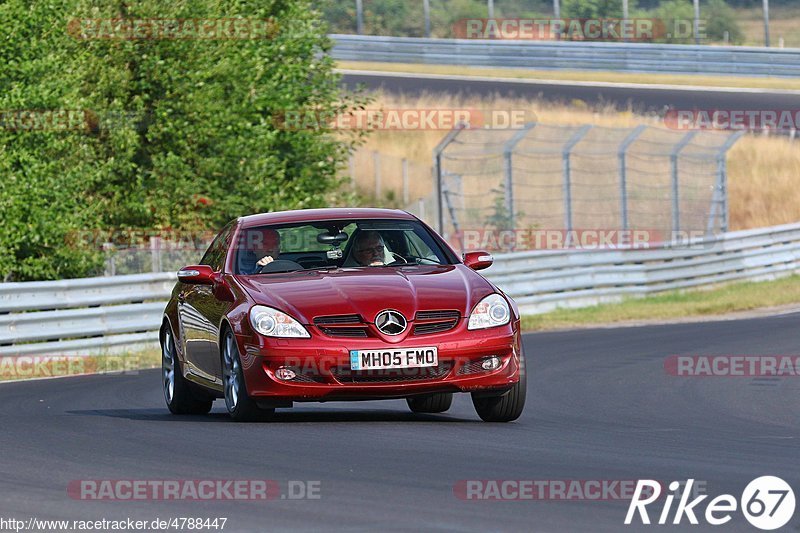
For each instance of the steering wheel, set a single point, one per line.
(398, 259)
(428, 259)
(279, 265)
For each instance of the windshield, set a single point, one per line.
(337, 244)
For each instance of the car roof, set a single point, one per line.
(314, 215)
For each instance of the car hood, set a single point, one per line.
(367, 291)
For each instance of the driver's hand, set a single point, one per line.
(264, 261)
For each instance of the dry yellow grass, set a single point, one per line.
(763, 171)
(783, 23)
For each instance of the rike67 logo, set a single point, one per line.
(767, 503)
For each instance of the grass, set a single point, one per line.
(583, 75)
(762, 171)
(48, 366)
(674, 305)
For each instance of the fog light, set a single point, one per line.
(285, 373)
(491, 363)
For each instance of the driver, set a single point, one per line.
(369, 249)
(262, 248)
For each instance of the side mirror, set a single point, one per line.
(197, 275)
(478, 260)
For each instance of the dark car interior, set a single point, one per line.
(335, 247)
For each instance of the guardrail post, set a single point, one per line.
(623, 173)
(508, 152)
(673, 161)
(438, 172)
(567, 186)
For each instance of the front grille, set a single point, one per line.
(349, 326)
(353, 333)
(437, 315)
(308, 378)
(473, 367)
(428, 322)
(337, 319)
(346, 375)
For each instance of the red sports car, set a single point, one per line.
(339, 304)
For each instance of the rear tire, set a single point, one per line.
(431, 403)
(181, 397)
(240, 406)
(506, 407)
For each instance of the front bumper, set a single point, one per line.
(323, 368)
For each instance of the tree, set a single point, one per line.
(181, 132)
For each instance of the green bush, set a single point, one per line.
(182, 131)
(720, 18)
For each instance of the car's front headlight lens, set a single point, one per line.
(273, 323)
(490, 312)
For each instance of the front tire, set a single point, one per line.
(506, 407)
(431, 403)
(240, 406)
(178, 393)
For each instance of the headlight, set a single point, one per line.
(273, 323)
(490, 312)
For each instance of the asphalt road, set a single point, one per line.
(600, 407)
(640, 98)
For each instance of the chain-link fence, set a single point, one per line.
(393, 181)
(577, 178)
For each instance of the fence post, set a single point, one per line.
(111, 263)
(438, 173)
(426, 13)
(376, 164)
(405, 181)
(567, 186)
(352, 166)
(623, 173)
(721, 187)
(508, 152)
(673, 161)
(155, 253)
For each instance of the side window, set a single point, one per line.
(215, 255)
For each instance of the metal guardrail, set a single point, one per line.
(540, 281)
(629, 57)
(105, 314)
(82, 316)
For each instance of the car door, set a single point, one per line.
(200, 314)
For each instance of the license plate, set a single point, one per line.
(397, 358)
